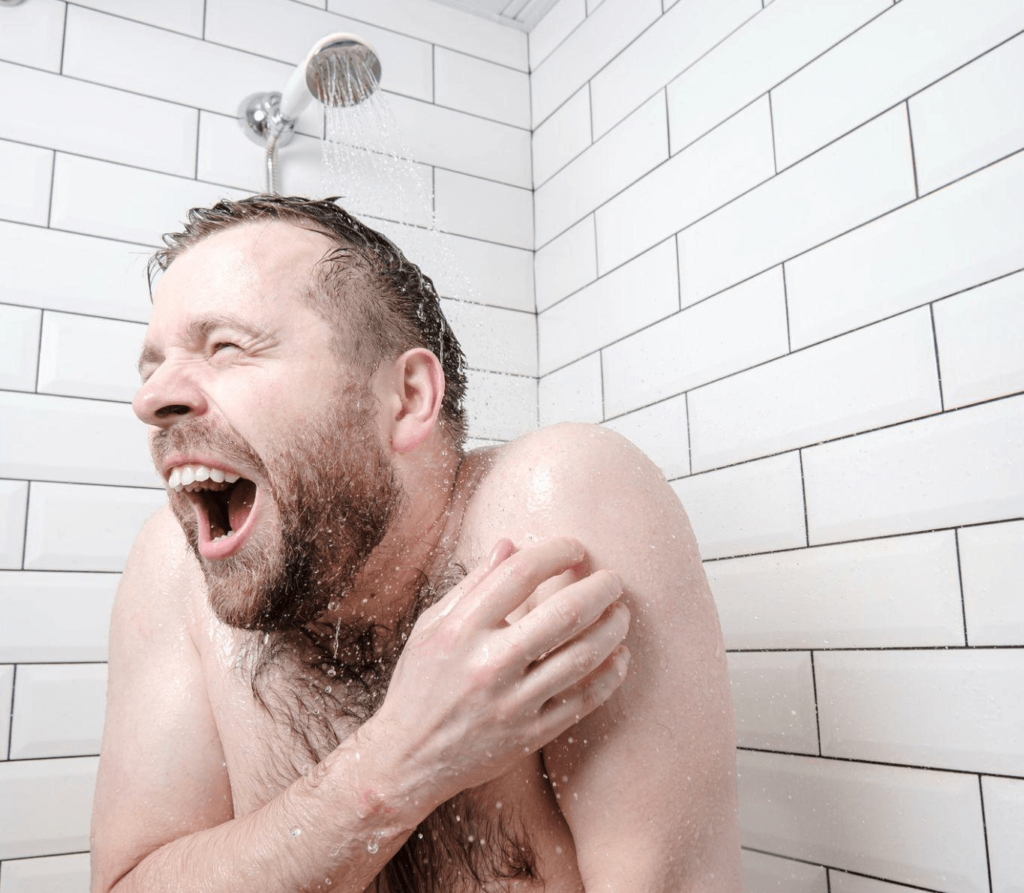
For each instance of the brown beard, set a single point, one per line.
(336, 494)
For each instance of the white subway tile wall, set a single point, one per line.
(845, 374)
(777, 244)
(119, 116)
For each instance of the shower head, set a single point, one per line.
(340, 69)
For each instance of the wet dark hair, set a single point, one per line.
(374, 296)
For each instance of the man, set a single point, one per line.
(307, 689)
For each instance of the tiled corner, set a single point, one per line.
(19, 347)
(773, 696)
(13, 505)
(942, 709)
(46, 874)
(70, 365)
(876, 376)
(33, 34)
(564, 136)
(979, 335)
(740, 328)
(842, 814)
(661, 432)
(893, 592)
(771, 874)
(481, 88)
(573, 393)
(45, 806)
(58, 710)
(73, 626)
(566, 263)
(754, 507)
(6, 699)
(85, 528)
(992, 566)
(25, 173)
(563, 18)
(1004, 817)
(913, 477)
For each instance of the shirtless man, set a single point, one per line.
(307, 689)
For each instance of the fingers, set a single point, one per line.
(514, 579)
(568, 707)
(502, 550)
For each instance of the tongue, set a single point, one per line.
(240, 503)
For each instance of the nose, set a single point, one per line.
(169, 396)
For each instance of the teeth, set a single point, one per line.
(199, 477)
(223, 536)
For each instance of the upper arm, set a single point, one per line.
(161, 772)
(646, 782)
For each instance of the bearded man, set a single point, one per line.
(308, 690)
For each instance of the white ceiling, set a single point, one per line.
(521, 14)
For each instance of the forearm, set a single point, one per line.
(334, 829)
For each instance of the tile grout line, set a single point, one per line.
(53, 181)
(984, 831)
(828, 879)
(830, 868)
(689, 436)
(803, 493)
(203, 32)
(39, 350)
(24, 533)
(785, 304)
(873, 649)
(600, 358)
(817, 710)
(10, 726)
(199, 133)
(960, 581)
(938, 365)
(63, 40)
(913, 154)
(771, 123)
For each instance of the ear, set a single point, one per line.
(415, 388)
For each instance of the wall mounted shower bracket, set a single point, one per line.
(260, 115)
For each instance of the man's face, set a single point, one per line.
(269, 444)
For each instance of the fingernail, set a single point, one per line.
(502, 549)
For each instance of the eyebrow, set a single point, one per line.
(196, 332)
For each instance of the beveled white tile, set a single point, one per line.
(13, 505)
(464, 143)
(965, 234)
(58, 710)
(481, 88)
(754, 507)
(842, 814)
(185, 16)
(763, 52)
(288, 31)
(563, 18)
(562, 137)
(494, 339)
(73, 626)
(861, 176)
(25, 183)
(1004, 817)
(496, 212)
(108, 445)
(842, 882)
(872, 69)
(945, 709)
(637, 294)
(6, 693)
(739, 328)
(876, 376)
(102, 199)
(47, 874)
(79, 527)
(669, 46)
(566, 264)
(899, 591)
(773, 696)
(992, 565)
(500, 407)
(661, 432)
(621, 157)
(726, 163)
(979, 336)
(573, 393)
(45, 806)
(970, 118)
(97, 276)
(611, 28)
(442, 25)
(771, 874)
(98, 121)
(70, 364)
(19, 347)
(918, 476)
(33, 33)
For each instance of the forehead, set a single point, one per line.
(257, 270)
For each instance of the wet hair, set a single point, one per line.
(379, 302)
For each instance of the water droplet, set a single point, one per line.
(296, 832)
(374, 843)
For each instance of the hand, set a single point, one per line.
(472, 693)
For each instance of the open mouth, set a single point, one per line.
(224, 503)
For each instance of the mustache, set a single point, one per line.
(197, 435)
